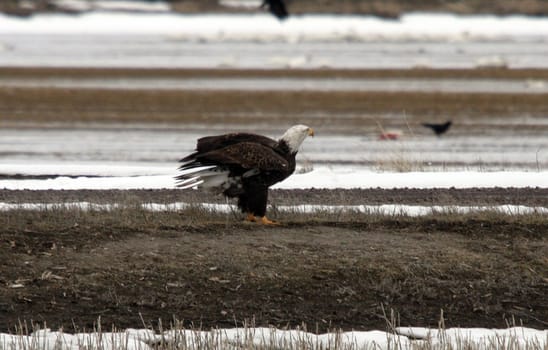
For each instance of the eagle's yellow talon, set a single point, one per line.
(267, 221)
(263, 220)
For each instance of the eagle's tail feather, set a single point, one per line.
(189, 183)
(210, 176)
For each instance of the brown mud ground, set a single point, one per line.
(351, 112)
(68, 267)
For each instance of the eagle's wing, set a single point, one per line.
(214, 143)
(209, 143)
(248, 155)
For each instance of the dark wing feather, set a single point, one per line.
(211, 143)
(247, 155)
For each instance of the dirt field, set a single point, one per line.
(69, 267)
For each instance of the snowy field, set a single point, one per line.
(310, 41)
(322, 177)
(260, 338)
(131, 158)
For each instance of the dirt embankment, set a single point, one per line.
(68, 267)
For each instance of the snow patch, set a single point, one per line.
(320, 177)
(307, 28)
(141, 339)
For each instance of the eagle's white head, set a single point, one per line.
(295, 135)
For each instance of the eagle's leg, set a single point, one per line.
(250, 217)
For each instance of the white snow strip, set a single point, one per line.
(383, 209)
(92, 183)
(510, 338)
(105, 168)
(320, 177)
(516, 338)
(248, 4)
(266, 28)
(112, 5)
(326, 177)
(45, 339)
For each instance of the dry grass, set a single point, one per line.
(179, 337)
(400, 161)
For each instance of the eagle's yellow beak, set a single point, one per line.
(310, 132)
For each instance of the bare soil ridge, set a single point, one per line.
(68, 267)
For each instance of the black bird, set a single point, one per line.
(438, 128)
(277, 8)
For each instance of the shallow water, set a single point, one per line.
(163, 146)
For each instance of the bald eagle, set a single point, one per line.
(243, 166)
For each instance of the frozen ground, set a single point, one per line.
(526, 86)
(290, 84)
(323, 177)
(104, 39)
(128, 158)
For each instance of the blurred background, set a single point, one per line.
(387, 8)
(89, 86)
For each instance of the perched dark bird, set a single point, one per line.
(438, 128)
(277, 8)
(243, 166)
